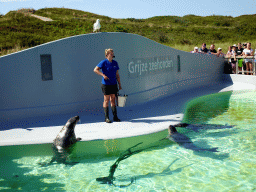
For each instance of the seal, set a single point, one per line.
(185, 141)
(198, 127)
(65, 141)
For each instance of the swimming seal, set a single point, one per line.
(65, 141)
(198, 127)
(185, 141)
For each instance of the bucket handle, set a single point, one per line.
(118, 93)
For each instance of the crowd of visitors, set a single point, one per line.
(236, 55)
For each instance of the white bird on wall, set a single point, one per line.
(96, 26)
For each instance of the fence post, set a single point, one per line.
(236, 66)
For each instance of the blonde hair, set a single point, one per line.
(107, 51)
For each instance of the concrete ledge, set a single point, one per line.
(142, 119)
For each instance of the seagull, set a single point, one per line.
(96, 26)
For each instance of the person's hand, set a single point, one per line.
(105, 77)
(120, 87)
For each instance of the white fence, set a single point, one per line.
(244, 70)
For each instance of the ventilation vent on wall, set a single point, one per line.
(178, 63)
(46, 67)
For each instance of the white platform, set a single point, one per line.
(150, 117)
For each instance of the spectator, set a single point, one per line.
(231, 55)
(195, 50)
(220, 53)
(203, 49)
(229, 51)
(212, 50)
(239, 52)
(245, 45)
(248, 62)
(233, 61)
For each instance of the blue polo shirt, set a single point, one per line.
(109, 69)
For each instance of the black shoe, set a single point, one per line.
(116, 119)
(107, 120)
(106, 111)
(115, 114)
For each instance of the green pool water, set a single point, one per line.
(224, 120)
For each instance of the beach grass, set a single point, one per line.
(21, 31)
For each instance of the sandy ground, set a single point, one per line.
(42, 18)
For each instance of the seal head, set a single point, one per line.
(172, 130)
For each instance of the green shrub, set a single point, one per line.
(162, 37)
(135, 20)
(19, 30)
(120, 28)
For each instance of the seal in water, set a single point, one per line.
(65, 141)
(185, 141)
(198, 127)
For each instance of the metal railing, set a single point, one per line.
(243, 71)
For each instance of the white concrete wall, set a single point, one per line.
(75, 87)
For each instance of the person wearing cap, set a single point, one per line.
(220, 53)
(110, 78)
(203, 49)
(195, 50)
(212, 50)
(239, 52)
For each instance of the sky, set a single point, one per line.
(140, 9)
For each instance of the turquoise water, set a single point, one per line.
(224, 120)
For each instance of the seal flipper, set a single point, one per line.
(105, 180)
(46, 164)
(123, 186)
(55, 160)
(213, 149)
(59, 157)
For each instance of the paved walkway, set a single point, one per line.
(150, 117)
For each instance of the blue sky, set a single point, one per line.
(140, 8)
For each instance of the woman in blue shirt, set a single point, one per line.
(110, 78)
